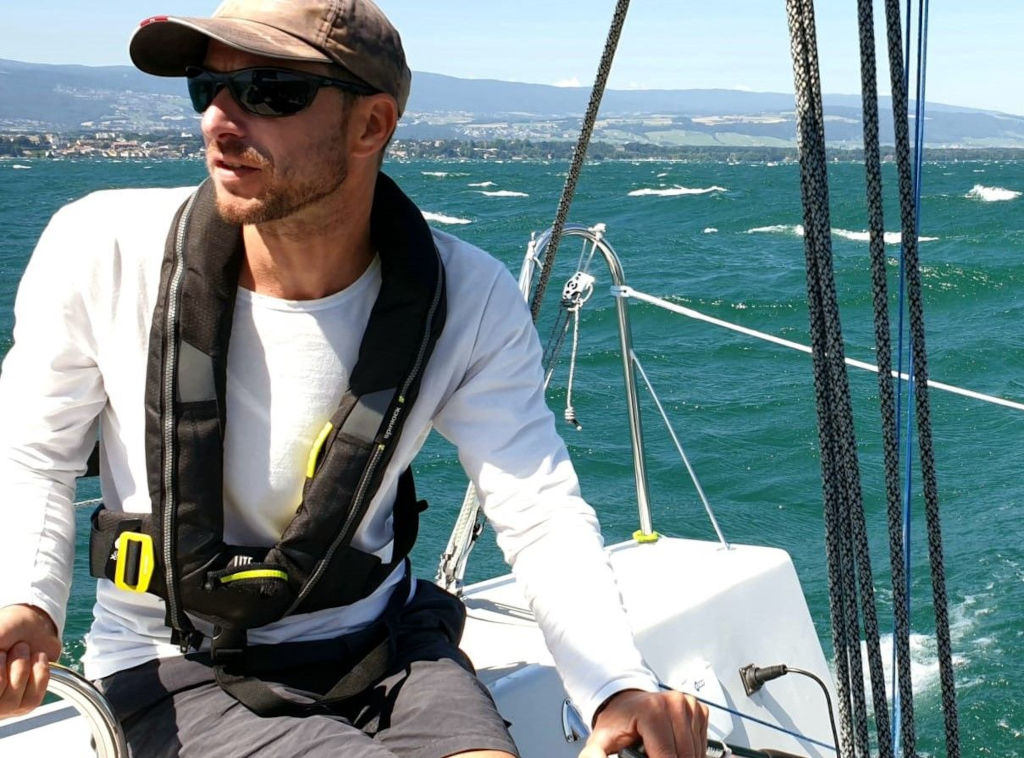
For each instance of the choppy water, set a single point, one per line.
(726, 239)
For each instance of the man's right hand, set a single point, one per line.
(28, 642)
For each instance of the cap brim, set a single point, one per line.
(166, 46)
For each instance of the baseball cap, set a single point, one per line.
(354, 34)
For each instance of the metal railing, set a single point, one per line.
(108, 737)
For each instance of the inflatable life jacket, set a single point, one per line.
(178, 553)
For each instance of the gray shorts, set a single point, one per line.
(429, 705)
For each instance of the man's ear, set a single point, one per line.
(373, 121)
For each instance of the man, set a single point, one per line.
(234, 348)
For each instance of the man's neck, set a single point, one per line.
(311, 254)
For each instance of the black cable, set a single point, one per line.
(828, 699)
(754, 678)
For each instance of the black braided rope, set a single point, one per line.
(846, 533)
(813, 184)
(579, 153)
(922, 406)
(883, 351)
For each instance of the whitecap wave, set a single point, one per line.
(440, 218)
(673, 191)
(504, 193)
(991, 194)
(481, 184)
(709, 230)
(924, 656)
(924, 663)
(20, 165)
(797, 229)
(438, 174)
(891, 238)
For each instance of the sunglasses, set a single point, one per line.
(264, 91)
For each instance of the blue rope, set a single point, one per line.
(900, 330)
(919, 105)
(768, 724)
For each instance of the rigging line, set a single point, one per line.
(627, 291)
(755, 719)
(464, 535)
(679, 447)
(814, 200)
(748, 717)
(919, 121)
(889, 418)
(762, 722)
(921, 398)
(902, 582)
(580, 153)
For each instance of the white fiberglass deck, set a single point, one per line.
(699, 612)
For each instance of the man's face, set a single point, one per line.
(266, 169)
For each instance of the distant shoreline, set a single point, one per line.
(132, 146)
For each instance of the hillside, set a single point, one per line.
(40, 98)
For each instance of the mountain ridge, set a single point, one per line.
(67, 97)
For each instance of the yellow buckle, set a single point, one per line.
(146, 560)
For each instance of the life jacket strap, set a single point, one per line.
(376, 650)
(121, 549)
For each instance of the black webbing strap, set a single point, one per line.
(370, 650)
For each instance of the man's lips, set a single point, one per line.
(230, 164)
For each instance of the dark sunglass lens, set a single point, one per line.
(202, 88)
(274, 93)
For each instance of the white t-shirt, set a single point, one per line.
(83, 318)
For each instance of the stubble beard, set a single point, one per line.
(318, 172)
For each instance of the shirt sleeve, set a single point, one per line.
(50, 396)
(505, 434)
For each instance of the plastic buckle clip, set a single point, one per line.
(135, 561)
(228, 645)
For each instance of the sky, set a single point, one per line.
(975, 57)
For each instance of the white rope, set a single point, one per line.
(465, 532)
(570, 412)
(627, 291)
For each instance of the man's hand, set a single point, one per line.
(671, 725)
(28, 642)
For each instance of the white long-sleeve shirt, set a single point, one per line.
(78, 364)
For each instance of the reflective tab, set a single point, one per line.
(135, 558)
(254, 574)
(314, 452)
(365, 418)
(195, 375)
